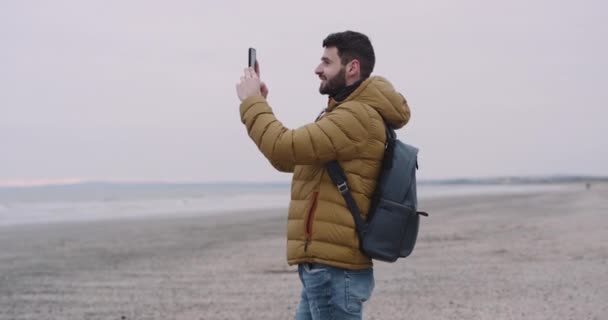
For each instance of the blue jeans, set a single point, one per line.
(333, 294)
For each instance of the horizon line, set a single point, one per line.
(29, 183)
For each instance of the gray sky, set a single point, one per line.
(144, 90)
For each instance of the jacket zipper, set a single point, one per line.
(310, 219)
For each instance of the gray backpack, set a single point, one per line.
(392, 222)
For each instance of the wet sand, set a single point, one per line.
(541, 255)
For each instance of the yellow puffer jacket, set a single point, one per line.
(320, 227)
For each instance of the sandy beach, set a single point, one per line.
(540, 255)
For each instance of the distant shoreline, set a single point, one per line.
(498, 180)
(99, 202)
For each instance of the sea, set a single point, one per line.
(96, 201)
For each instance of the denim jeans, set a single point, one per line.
(330, 293)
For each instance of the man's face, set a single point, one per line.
(331, 72)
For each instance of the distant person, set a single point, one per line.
(321, 238)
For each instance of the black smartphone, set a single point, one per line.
(252, 57)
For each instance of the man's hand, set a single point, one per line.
(251, 84)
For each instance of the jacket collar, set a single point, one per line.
(344, 94)
(346, 91)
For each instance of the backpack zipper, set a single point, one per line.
(310, 218)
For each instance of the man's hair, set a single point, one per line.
(353, 45)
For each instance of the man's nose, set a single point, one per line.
(318, 70)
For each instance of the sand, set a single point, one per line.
(540, 255)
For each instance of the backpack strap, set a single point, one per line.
(389, 146)
(339, 178)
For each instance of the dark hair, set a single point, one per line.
(353, 45)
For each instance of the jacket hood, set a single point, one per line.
(379, 93)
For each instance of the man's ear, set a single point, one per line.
(354, 68)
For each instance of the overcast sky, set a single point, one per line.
(145, 90)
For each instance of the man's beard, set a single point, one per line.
(334, 85)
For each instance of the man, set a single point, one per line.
(321, 238)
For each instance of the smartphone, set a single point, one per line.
(252, 57)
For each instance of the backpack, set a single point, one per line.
(392, 222)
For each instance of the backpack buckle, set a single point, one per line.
(343, 188)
